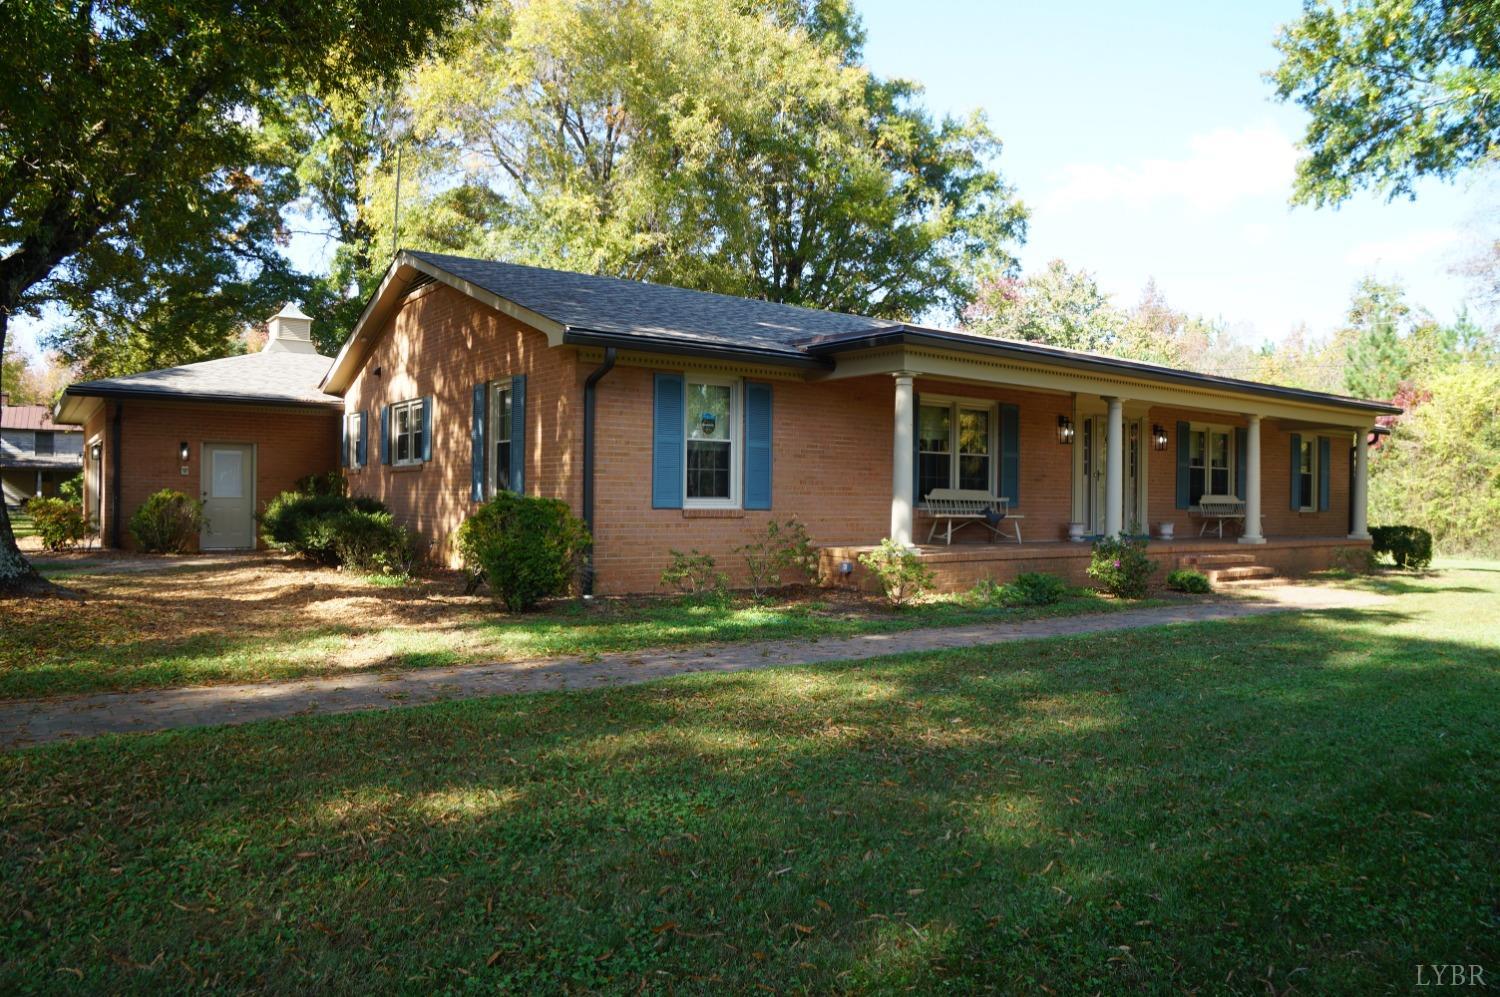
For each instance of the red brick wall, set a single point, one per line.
(1277, 517)
(291, 443)
(441, 343)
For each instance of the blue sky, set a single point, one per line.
(1147, 144)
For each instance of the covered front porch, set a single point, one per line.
(1276, 478)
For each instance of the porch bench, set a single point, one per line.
(951, 508)
(1213, 510)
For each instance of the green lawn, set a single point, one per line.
(21, 524)
(1286, 803)
(270, 620)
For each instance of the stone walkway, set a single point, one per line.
(30, 722)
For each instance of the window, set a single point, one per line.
(962, 429)
(500, 436)
(712, 414)
(46, 443)
(1210, 462)
(406, 432)
(1307, 474)
(934, 448)
(351, 440)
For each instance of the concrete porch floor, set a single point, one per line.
(961, 565)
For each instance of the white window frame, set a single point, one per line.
(1310, 444)
(1207, 429)
(413, 433)
(351, 436)
(498, 389)
(955, 405)
(736, 441)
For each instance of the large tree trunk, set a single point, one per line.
(17, 576)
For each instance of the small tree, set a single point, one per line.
(776, 550)
(900, 571)
(695, 575)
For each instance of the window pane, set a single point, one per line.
(934, 426)
(403, 447)
(973, 432)
(502, 464)
(1221, 481)
(708, 412)
(1307, 458)
(1306, 500)
(1220, 449)
(403, 415)
(1195, 485)
(934, 470)
(1195, 448)
(416, 443)
(708, 470)
(502, 413)
(974, 472)
(227, 474)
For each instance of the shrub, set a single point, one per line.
(901, 573)
(1409, 546)
(328, 483)
(1353, 560)
(168, 522)
(72, 489)
(61, 524)
(302, 523)
(371, 541)
(525, 549)
(779, 548)
(1035, 588)
(1121, 567)
(694, 575)
(1188, 580)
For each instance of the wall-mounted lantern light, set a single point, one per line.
(1159, 436)
(182, 451)
(95, 452)
(1064, 430)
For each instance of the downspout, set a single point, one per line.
(588, 460)
(114, 479)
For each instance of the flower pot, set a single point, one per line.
(1075, 532)
(1167, 530)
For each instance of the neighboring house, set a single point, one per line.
(36, 454)
(674, 419)
(234, 432)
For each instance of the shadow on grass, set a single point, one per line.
(1293, 801)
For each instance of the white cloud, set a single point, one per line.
(1403, 250)
(1222, 166)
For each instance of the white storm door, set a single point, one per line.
(228, 496)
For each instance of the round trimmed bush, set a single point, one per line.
(299, 523)
(525, 549)
(168, 522)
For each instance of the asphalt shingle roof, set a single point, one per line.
(279, 377)
(584, 302)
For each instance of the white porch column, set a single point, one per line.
(1252, 534)
(903, 472)
(1361, 497)
(1114, 470)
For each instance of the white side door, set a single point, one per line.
(228, 496)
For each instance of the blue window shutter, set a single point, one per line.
(385, 434)
(362, 443)
(427, 428)
(1241, 458)
(1010, 453)
(667, 442)
(1325, 455)
(518, 434)
(344, 443)
(1184, 477)
(476, 443)
(757, 445)
(1296, 472)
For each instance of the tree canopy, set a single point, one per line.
(737, 147)
(1396, 89)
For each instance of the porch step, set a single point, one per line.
(1215, 560)
(1241, 574)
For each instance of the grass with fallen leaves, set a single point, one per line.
(1293, 803)
(274, 618)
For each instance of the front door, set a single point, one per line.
(228, 496)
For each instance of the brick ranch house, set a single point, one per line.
(235, 432)
(670, 418)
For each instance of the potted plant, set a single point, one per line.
(1075, 532)
(1167, 529)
